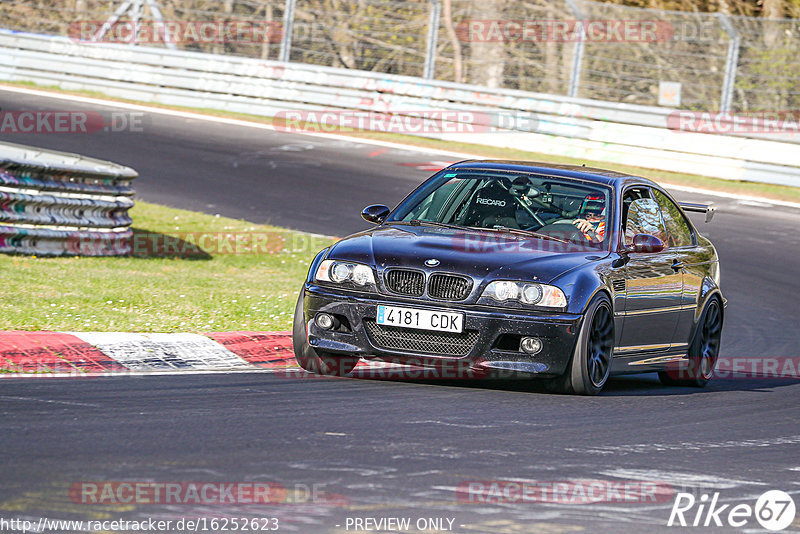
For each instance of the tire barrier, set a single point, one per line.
(56, 204)
(45, 242)
(60, 211)
(64, 183)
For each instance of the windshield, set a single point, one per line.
(550, 206)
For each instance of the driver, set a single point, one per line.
(593, 219)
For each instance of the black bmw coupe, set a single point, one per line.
(565, 273)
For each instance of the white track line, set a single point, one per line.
(132, 373)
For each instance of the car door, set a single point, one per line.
(654, 285)
(689, 259)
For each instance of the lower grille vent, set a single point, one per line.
(408, 340)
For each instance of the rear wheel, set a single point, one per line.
(703, 352)
(312, 360)
(591, 361)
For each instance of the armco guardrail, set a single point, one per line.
(558, 125)
(53, 204)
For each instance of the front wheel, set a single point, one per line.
(703, 352)
(590, 366)
(312, 360)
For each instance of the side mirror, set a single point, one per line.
(646, 243)
(375, 214)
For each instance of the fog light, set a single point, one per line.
(325, 321)
(531, 345)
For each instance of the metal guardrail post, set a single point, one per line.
(577, 56)
(731, 63)
(136, 9)
(433, 39)
(288, 26)
(156, 11)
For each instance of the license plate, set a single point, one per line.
(423, 319)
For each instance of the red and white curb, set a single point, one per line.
(86, 354)
(72, 354)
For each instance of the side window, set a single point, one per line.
(644, 217)
(429, 208)
(632, 194)
(680, 235)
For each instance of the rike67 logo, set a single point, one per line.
(774, 510)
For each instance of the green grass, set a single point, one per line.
(767, 191)
(216, 292)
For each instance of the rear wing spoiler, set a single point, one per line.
(708, 209)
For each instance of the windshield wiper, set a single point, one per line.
(501, 229)
(518, 231)
(421, 222)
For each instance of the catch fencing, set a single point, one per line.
(710, 61)
(55, 204)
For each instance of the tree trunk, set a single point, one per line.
(458, 67)
(268, 22)
(554, 62)
(772, 9)
(488, 58)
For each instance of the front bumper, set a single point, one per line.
(489, 331)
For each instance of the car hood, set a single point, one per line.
(479, 254)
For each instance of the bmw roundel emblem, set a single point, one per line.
(433, 262)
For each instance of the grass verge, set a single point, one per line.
(232, 287)
(767, 191)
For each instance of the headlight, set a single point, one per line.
(531, 294)
(342, 272)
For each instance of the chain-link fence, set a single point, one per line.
(581, 48)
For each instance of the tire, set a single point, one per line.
(703, 352)
(590, 365)
(312, 360)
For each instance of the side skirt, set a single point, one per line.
(648, 360)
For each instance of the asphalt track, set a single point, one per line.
(398, 448)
